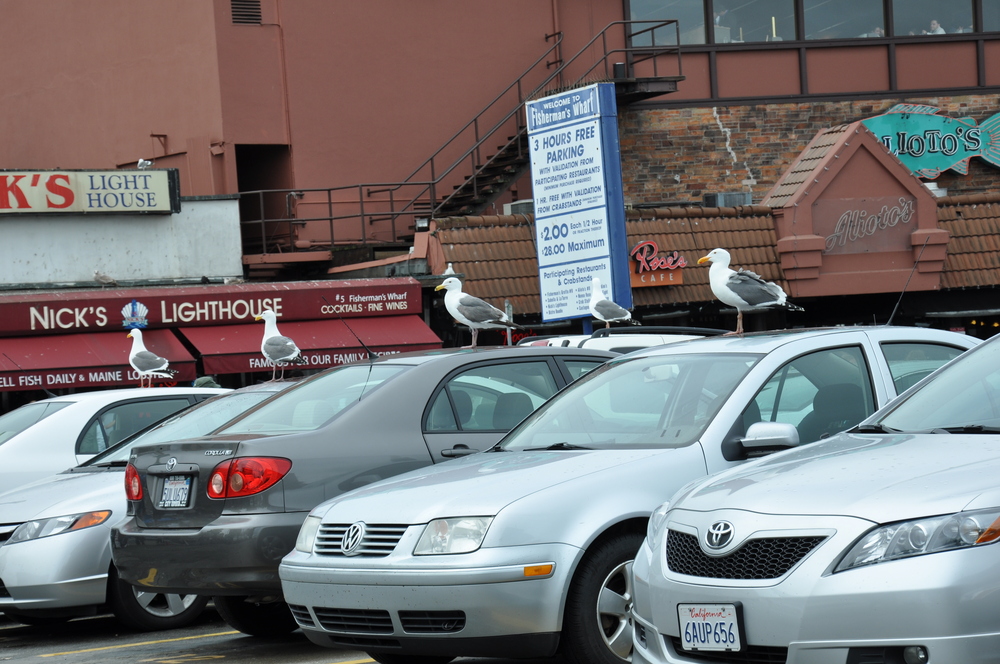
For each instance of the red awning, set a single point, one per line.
(99, 359)
(228, 349)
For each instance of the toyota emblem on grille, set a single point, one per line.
(351, 540)
(719, 535)
(171, 462)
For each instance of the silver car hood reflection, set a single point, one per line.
(882, 478)
(476, 485)
(64, 494)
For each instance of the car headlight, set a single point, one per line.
(656, 520)
(31, 530)
(457, 535)
(923, 536)
(307, 534)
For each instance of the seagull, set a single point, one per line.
(449, 269)
(472, 312)
(744, 289)
(606, 310)
(104, 279)
(143, 164)
(145, 363)
(278, 350)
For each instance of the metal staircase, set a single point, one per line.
(478, 164)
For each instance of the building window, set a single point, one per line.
(760, 21)
(690, 14)
(843, 19)
(246, 12)
(991, 15)
(927, 17)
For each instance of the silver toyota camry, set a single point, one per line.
(525, 550)
(876, 546)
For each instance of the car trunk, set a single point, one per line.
(175, 478)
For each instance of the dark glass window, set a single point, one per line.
(690, 15)
(843, 19)
(924, 17)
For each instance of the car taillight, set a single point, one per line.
(246, 476)
(133, 485)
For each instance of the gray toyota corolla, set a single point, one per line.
(214, 515)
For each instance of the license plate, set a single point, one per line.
(176, 491)
(709, 627)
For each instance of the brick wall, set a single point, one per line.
(676, 155)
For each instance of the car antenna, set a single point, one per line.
(915, 263)
(20, 368)
(372, 355)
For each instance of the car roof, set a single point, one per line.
(460, 355)
(109, 396)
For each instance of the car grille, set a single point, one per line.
(749, 655)
(359, 621)
(379, 540)
(432, 622)
(763, 558)
(301, 615)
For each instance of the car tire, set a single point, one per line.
(150, 611)
(393, 658)
(597, 628)
(256, 618)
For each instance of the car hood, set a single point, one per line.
(480, 484)
(882, 478)
(67, 493)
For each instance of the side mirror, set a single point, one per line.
(770, 434)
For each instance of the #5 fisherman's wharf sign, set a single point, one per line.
(90, 192)
(930, 143)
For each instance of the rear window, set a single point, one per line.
(20, 419)
(315, 401)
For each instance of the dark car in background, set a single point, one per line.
(214, 516)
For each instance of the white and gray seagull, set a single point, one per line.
(472, 312)
(604, 309)
(743, 289)
(145, 363)
(277, 349)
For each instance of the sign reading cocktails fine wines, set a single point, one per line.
(579, 207)
(930, 143)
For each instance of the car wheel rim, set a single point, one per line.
(614, 607)
(162, 605)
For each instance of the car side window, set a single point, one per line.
(490, 398)
(577, 368)
(910, 362)
(821, 393)
(116, 423)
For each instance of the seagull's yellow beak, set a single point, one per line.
(439, 287)
(703, 259)
(257, 318)
(129, 335)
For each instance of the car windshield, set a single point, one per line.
(646, 402)
(199, 420)
(312, 403)
(963, 396)
(20, 419)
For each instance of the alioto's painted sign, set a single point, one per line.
(579, 207)
(930, 143)
(90, 192)
(652, 268)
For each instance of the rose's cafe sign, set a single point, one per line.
(650, 267)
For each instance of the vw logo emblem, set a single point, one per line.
(719, 535)
(171, 462)
(352, 538)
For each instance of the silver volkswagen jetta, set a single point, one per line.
(526, 549)
(877, 546)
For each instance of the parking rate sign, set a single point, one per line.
(579, 208)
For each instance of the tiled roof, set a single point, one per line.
(974, 247)
(497, 253)
(800, 172)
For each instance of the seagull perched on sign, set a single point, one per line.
(104, 279)
(449, 269)
(145, 363)
(606, 310)
(744, 289)
(277, 350)
(143, 164)
(472, 312)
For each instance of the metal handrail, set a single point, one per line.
(420, 192)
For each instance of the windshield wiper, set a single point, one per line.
(968, 428)
(558, 446)
(873, 428)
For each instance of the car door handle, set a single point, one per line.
(458, 451)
